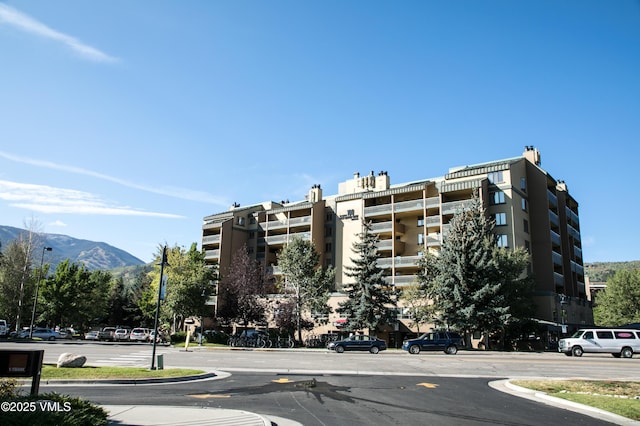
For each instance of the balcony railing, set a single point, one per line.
(555, 238)
(401, 280)
(553, 218)
(408, 206)
(432, 221)
(434, 241)
(377, 210)
(453, 207)
(577, 251)
(211, 239)
(553, 200)
(212, 254)
(387, 227)
(558, 279)
(398, 261)
(557, 258)
(212, 225)
(573, 232)
(282, 239)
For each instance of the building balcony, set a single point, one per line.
(388, 245)
(553, 218)
(382, 210)
(284, 238)
(557, 258)
(409, 206)
(578, 269)
(558, 279)
(577, 251)
(555, 238)
(432, 221)
(573, 232)
(400, 280)
(212, 254)
(572, 217)
(387, 228)
(553, 200)
(434, 241)
(286, 223)
(212, 225)
(453, 207)
(211, 239)
(399, 262)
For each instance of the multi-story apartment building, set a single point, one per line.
(530, 208)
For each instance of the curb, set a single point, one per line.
(508, 387)
(153, 380)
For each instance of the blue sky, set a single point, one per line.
(129, 121)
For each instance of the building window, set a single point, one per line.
(329, 217)
(502, 240)
(523, 184)
(497, 198)
(420, 238)
(250, 250)
(252, 220)
(421, 221)
(351, 212)
(327, 248)
(328, 231)
(524, 204)
(527, 246)
(252, 235)
(240, 220)
(525, 223)
(500, 219)
(495, 177)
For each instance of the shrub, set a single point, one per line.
(178, 337)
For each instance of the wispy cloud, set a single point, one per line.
(49, 199)
(175, 192)
(58, 223)
(25, 23)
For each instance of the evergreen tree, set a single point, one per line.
(369, 297)
(619, 303)
(478, 285)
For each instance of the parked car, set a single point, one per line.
(121, 334)
(360, 342)
(4, 330)
(92, 335)
(107, 333)
(140, 334)
(41, 333)
(447, 341)
(618, 342)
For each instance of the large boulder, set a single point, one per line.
(69, 360)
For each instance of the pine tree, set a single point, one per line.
(478, 285)
(369, 297)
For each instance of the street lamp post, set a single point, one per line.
(162, 282)
(35, 299)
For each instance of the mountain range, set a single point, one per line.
(94, 255)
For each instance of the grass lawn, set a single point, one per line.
(51, 372)
(619, 397)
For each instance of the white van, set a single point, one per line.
(616, 341)
(3, 328)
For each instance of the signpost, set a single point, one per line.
(22, 364)
(161, 294)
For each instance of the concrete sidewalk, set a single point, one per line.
(143, 415)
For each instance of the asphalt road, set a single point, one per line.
(345, 399)
(321, 387)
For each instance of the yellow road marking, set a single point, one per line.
(283, 380)
(209, 395)
(428, 385)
